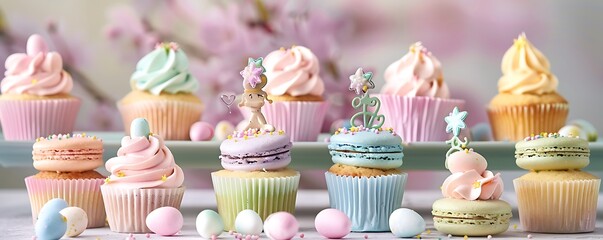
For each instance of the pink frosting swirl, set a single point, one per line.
(294, 72)
(37, 72)
(470, 180)
(418, 73)
(144, 163)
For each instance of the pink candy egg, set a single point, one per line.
(201, 131)
(463, 161)
(332, 223)
(165, 221)
(281, 226)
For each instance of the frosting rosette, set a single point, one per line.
(144, 163)
(526, 70)
(418, 73)
(37, 72)
(165, 69)
(293, 72)
(470, 180)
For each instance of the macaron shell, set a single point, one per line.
(471, 218)
(553, 161)
(254, 146)
(552, 153)
(367, 138)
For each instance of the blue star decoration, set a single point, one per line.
(455, 121)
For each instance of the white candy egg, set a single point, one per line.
(222, 130)
(248, 222)
(77, 221)
(406, 223)
(209, 223)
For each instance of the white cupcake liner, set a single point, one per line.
(367, 201)
(171, 120)
(262, 195)
(417, 119)
(82, 193)
(557, 206)
(127, 208)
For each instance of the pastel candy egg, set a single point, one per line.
(209, 223)
(332, 223)
(53, 205)
(281, 226)
(248, 222)
(481, 132)
(51, 226)
(463, 161)
(571, 131)
(139, 128)
(406, 223)
(77, 221)
(201, 131)
(165, 221)
(223, 129)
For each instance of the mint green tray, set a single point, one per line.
(306, 155)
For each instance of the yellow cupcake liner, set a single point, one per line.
(514, 123)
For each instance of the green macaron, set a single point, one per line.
(472, 218)
(552, 152)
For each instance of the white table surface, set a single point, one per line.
(15, 217)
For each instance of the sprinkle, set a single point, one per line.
(107, 180)
(230, 232)
(529, 236)
(477, 184)
(465, 237)
(34, 81)
(248, 237)
(282, 49)
(245, 137)
(365, 236)
(418, 236)
(428, 231)
(213, 237)
(229, 137)
(281, 132)
(163, 178)
(63, 218)
(255, 237)
(148, 235)
(489, 236)
(514, 226)
(466, 150)
(449, 235)
(302, 235)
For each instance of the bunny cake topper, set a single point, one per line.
(253, 96)
(455, 122)
(361, 82)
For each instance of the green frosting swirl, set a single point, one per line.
(164, 70)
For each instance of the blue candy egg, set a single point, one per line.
(405, 223)
(54, 205)
(51, 227)
(139, 128)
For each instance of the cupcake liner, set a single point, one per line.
(170, 119)
(367, 201)
(302, 121)
(417, 119)
(29, 119)
(82, 193)
(262, 195)
(127, 208)
(514, 123)
(557, 206)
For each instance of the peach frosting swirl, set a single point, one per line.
(418, 73)
(293, 72)
(470, 180)
(37, 72)
(526, 70)
(144, 163)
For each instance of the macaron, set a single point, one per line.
(245, 151)
(472, 218)
(370, 148)
(552, 152)
(67, 153)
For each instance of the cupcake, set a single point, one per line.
(415, 97)
(527, 100)
(255, 161)
(163, 92)
(66, 164)
(35, 98)
(471, 205)
(365, 182)
(296, 89)
(556, 196)
(144, 177)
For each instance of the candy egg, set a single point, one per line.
(332, 223)
(248, 222)
(209, 223)
(481, 132)
(580, 128)
(223, 129)
(201, 131)
(53, 205)
(51, 224)
(463, 161)
(405, 223)
(165, 221)
(281, 226)
(77, 221)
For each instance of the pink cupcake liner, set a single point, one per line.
(127, 208)
(417, 119)
(24, 120)
(171, 120)
(302, 121)
(82, 193)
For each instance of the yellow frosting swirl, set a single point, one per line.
(526, 70)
